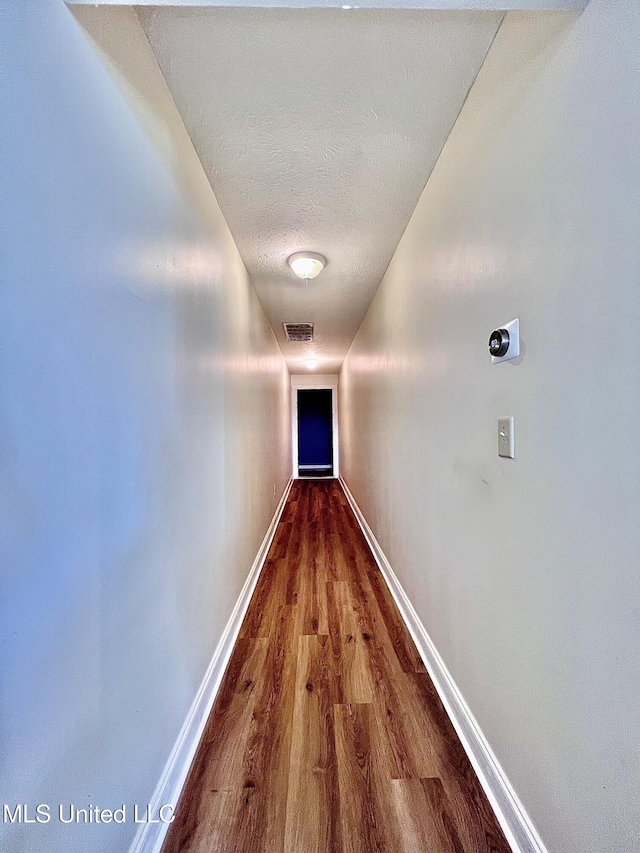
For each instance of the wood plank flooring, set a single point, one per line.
(327, 735)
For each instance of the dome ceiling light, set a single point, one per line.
(306, 265)
(311, 363)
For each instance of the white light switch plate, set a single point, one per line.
(506, 443)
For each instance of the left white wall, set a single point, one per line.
(144, 423)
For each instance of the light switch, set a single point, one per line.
(506, 444)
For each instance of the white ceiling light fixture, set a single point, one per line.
(306, 265)
(311, 363)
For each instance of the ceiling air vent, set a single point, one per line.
(298, 331)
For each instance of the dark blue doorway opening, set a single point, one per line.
(315, 432)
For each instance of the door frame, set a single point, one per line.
(334, 425)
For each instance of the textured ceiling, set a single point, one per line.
(318, 129)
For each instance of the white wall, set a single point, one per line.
(311, 380)
(144, 422)
(524, 572)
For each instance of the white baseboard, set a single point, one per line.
(514, 820)
(150, 836)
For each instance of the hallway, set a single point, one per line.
(327, 733)
(427, 213)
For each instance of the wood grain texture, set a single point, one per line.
(327, 735)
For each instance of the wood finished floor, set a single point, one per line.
(327, 735)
